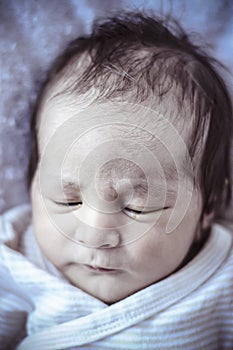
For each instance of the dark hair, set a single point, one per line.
(147, 55)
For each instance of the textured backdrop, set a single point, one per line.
(32, 32)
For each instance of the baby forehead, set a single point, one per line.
(106, 159)
(125, 148)
(109, 131)
(128, 119)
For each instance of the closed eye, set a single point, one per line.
(130, 211)
(137, 212)
(69, 203)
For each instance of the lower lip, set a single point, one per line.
(99, 269)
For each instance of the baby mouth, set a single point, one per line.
(99, 269)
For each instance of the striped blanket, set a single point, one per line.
(39, 309)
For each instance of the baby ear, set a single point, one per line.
(208, 214)
(207, 219)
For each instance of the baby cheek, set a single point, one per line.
(143, 251)
(50, 240)
(156, 254)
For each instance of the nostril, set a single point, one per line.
(106, 245)
(98, 238)
(112, 239)
(80, 241)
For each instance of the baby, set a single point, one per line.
(130, 167)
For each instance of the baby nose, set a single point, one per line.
(97, 230)
(97, 238)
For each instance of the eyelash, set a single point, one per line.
(68, 204)
(136, 212)
(72, 204)
(133, 213)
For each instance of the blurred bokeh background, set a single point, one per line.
(32, 32)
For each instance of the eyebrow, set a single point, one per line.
(140, 188)
(68, 185)
(140, 185)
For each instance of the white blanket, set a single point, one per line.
(191, 309)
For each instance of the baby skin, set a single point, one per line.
(114, 207)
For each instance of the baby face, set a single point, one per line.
(114, 206)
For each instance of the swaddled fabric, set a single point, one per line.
(190, 309)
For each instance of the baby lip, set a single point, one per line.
(99, 268)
